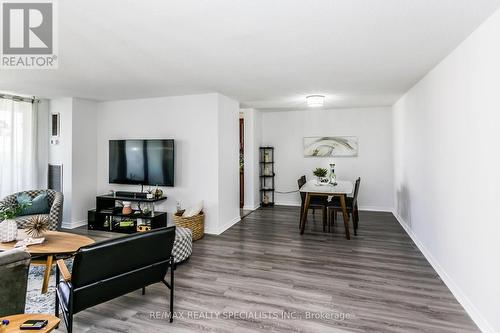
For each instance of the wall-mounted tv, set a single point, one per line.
(144, 162)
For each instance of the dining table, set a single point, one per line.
(340, 189)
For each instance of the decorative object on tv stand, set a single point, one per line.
(333, 176)
(320, 174)
(334, 146)
(8, 227)
(193, 219)
(157, 193)
(146, 208)
(37, 225)
(143, 227)
(127, 208)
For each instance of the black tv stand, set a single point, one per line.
(108, 216)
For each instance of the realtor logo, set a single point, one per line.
(28, 35)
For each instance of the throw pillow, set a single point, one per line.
(193, 210)
(37, 205)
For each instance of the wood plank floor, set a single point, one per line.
(262, 276)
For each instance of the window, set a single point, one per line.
(17, 146)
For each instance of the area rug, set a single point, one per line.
(36, 302)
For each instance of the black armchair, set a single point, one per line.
(112, 268)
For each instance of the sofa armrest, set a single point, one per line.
(65, 274)
(56, 212)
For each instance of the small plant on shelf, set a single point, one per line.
(320, 172)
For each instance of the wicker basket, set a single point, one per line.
(195, 223)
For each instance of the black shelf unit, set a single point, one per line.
(267, 174)
(108, 215)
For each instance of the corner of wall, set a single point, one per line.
(228, 111)
(459, 294)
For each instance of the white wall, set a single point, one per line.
(229, 156)
(62, 152)
(42, 142)
(84, 165)
(447, 183)
(193, 121)
(76, 151)
(252, 137)
(373, 126)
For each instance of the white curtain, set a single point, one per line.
(18, 149)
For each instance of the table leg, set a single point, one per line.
(46, 275)
(304, 213)
(346, 216)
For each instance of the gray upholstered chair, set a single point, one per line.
(14, 267)
(55, 203)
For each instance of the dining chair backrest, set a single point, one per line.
(356, 191)
(301, 182)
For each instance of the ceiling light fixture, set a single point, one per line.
(315, 101)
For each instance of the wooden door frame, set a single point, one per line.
(242, 154)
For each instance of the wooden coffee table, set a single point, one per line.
(56, 244)
(16, 320)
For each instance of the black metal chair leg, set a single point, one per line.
(352, 216)
(143, 290)
(56, 311)
(329, 218)
(324, 218)
(70, 323)
(172, 290)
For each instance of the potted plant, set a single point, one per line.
(8, 227)
(320, 174)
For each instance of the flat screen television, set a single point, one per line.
(144, 162)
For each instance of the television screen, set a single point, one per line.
(146, 162)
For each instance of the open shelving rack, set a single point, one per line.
(266, 174)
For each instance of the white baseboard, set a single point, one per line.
(247, 207)
(376, 209)
(287, 203)
(461, 297)
(74, 224)
(224, 227)
(362, 208)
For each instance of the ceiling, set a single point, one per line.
(267, 54)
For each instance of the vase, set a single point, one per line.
(333, 177)
(8, 231)
(127, 208)
(322, 180)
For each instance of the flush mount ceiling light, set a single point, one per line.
(314, 101)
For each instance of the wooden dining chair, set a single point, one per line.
(317, 202)
(334, 207)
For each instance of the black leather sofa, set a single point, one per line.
(115, 267)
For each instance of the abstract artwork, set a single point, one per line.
(331, 146)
